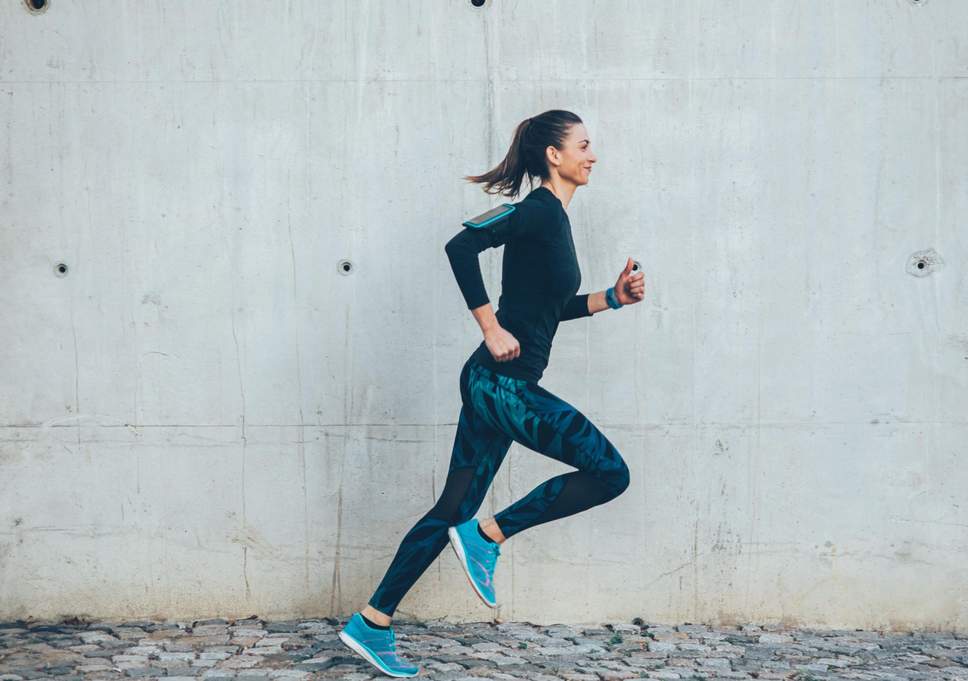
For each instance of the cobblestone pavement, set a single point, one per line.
(251, 649)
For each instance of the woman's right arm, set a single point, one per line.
(528, 219)
(462, 252)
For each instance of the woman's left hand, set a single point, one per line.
(630, 288)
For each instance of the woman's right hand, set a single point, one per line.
(501, 344)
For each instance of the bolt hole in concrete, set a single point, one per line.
(477, 3)
(36, 6)
(923, 263)
(60, 269)
(344, 267)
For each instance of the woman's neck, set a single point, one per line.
(563, 191)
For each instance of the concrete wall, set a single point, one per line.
(203, 417)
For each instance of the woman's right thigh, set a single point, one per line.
(547, 424)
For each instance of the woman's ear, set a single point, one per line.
(552, 156)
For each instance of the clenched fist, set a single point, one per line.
(501, 344)
(630, 288)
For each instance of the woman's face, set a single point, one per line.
(575, 159)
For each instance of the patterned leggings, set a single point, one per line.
(497, 409)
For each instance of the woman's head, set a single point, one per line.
(549, 145)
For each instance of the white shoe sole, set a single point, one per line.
(357, 647)
(458, 546)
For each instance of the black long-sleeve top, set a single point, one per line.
(539, 280)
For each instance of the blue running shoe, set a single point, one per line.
(376, 646)
(477, 556)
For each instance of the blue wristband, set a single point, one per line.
(611, 299)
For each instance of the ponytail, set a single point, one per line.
(527, 152)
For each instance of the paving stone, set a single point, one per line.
(203, 663)
(210, 630)
(129, 632)
(206, 640)
(627, 628)
(141, 672)
(661, 647)
(617, 674)
(240, 662)
(97, 636)
(578, 676)
(289, 674)
(775, 638)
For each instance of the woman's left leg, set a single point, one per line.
(477, 454)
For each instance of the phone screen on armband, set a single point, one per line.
(492, 215)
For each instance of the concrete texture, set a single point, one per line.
(203, 417)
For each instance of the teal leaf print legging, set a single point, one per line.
(497, 410)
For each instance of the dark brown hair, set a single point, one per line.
(527, 153)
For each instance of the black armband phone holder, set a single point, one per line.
(496, 221)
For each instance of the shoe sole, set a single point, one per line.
(358, 647)
(458, 547)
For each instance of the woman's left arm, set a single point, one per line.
(629, 289)
(584, 305)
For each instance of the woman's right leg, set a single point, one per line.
(477, 454)
(551, 426)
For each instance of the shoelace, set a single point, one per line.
(395, 654)
(491, 554)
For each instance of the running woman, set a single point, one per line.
(501, 399)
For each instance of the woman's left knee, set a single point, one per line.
(620, 480)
